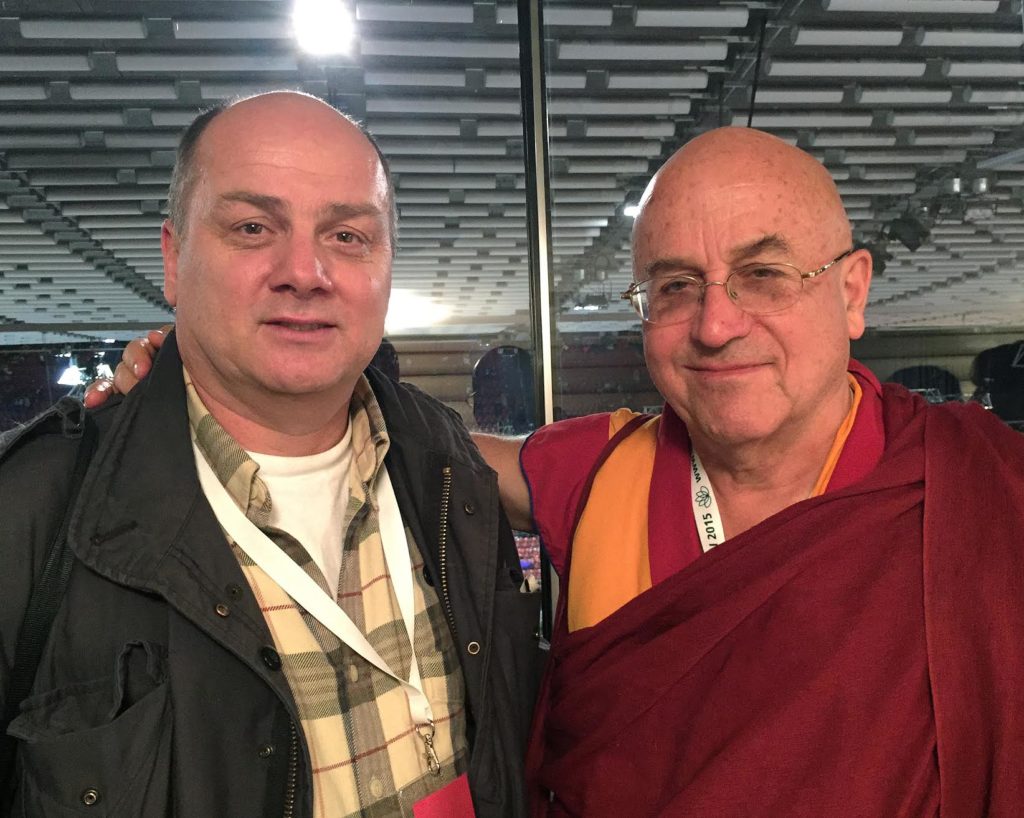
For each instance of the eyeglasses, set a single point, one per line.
(757, 289)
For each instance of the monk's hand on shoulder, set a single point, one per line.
(135, 365)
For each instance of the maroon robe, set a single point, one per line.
(857, 654)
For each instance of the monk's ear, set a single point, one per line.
(169, 246)
(856, 283)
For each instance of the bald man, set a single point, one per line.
(287, 587)
(795, 592)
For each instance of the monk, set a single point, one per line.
(796, 591)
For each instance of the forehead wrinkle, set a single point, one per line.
(770, 243)
(270, 204)
(681, 265)
(670, 265)
(339, 211)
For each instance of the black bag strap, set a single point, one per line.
(46, 595)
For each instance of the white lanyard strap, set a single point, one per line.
(710, 530)
(304, 590)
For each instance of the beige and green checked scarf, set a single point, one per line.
(367, 758)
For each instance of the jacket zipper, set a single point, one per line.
(442, 545)
(293, 771)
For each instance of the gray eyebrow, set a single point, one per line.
(683, 266)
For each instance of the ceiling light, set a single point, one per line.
(407, 310)
(631, 210)
(323, 27)
(72, 376)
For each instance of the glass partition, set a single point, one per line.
(915, 109)
(93, 98)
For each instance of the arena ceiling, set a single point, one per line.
(915, 106)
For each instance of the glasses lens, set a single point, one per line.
(668, 299)
(765, 288)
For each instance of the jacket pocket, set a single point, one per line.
(99, 748)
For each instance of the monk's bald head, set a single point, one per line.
(796, 192)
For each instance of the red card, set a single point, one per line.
(452, 801)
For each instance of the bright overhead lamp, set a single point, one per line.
(407, 310)
(323, 27)
(631, 210)
(72, 376)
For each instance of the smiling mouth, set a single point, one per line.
(300, 326)
(724, 370)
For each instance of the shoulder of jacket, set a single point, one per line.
(413, 415)
(64, 420)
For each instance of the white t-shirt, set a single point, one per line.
(308, 498)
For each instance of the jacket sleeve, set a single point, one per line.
(35, 481)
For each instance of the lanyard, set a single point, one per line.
(710, 530)
(303, 589)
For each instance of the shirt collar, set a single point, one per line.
(239, 473)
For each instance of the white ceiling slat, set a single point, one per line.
(22, 93)
(799, 96)
(800, 120)
(50, 64)
(113, 92)
(985, 70)
(672, 81)
(556, 82)
(872, 37)
(62, 119)
(440, 48)
(906, 96)
(702, 52)
(913, 6)
(893, 100)
(443, 105)
(423, 79)
(643, 107)
(694, 17)
(77, 29)
(203, 63)
(418, 13)
(230, 30)
(839, 68)
(962, 38)
(947, 120)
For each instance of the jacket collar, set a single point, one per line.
(142, 519)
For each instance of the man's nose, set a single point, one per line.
(719, 319)
(301, 269)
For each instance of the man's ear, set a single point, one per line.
(170, 249)
(856, 283)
